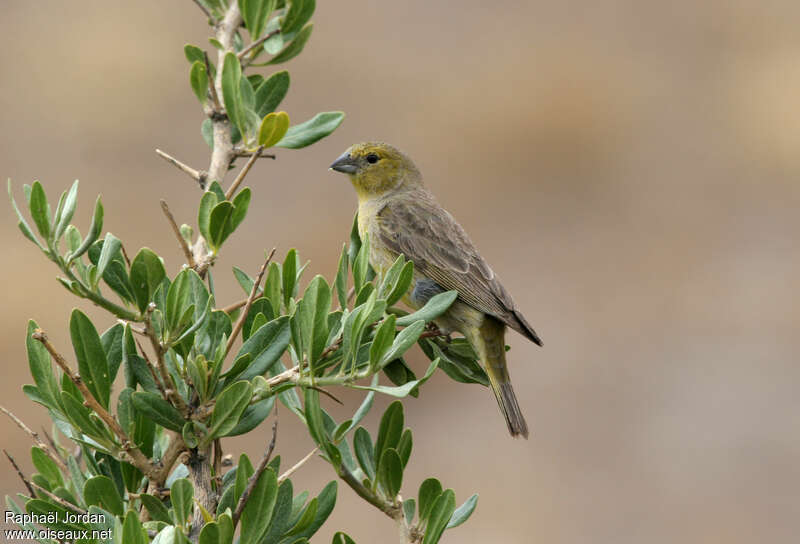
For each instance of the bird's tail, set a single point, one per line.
(489, 343)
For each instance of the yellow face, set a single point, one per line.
(376, 169)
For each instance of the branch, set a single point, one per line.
(197, 175)
(59, 500)
(255, 44)
(184, 246)
(207, 13)
(136, 457)
(169, 384)
(243, 172)
(297, 465)
(238, 152)
(21, 475)
(235, 306)
(251, 483)
(176, 447)
(217, 108)
(253, 293)
(50, 453)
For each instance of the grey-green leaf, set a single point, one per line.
(316, 128)
(92, 362)
(463, 512)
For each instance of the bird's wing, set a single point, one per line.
(428, 235)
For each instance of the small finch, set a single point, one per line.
(399, 215)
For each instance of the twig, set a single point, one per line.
(176, 447)
(51, 441)
(330, 349)
(235, 306)
(243, 172)
(21, 475)
(152, 369)
(35, 436)
(241, 54)
(245, 153)
(184, 246)
(59, 500)
(158, 347)
(326, 393)
(136, 457)
(212, 89)
(205, 11)
(197, 175)
(249, 303)
(297, 465)
(251, 483)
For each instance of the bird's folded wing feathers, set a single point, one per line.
(428, 235)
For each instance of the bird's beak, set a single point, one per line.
(344, 164)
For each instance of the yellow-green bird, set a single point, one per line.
(400, 215)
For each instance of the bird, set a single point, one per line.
(399, 215)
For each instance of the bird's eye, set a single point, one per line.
(372, 158)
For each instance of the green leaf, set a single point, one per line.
(40, 209)
(41, 369)
(22, 223)
(440, 515)
(219, 224)
(273, 128)
(390, 430)
(157, 409)
(383, 340)
(132, 530)
(295, 47)
(260, 307)
(404, 340)
(313, 415)
(111, 246)
(362, 445)
(155, 508)
(92, 363)
(299, 13)
(94, 232)
(182, 496)
(463, 512)
(306, 518)
(390, 472)
(313, 317)
(47, 467)
(429, 491)
(361, 265)
(401, 390)
(231, 89)
(101, 491)
(179, 299)
(253, 416)
(326, 500)
(147, 273)
(198, 79)
(408, 510)
(289, 276)
(436, 306)
(229, 407)
(266, 346)
(271, 93)
(193, 53)
(65, 211)
(255, 14)
(402, 284)
(341, 278)
(207, 203)
(316, 128)
(341, 538)
(404, 446)
(257, 514)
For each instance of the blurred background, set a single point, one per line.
(629, 169)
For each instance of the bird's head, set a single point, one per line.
(376, 169)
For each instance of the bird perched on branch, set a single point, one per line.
(400, 215)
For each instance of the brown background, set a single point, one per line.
(630, 170)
